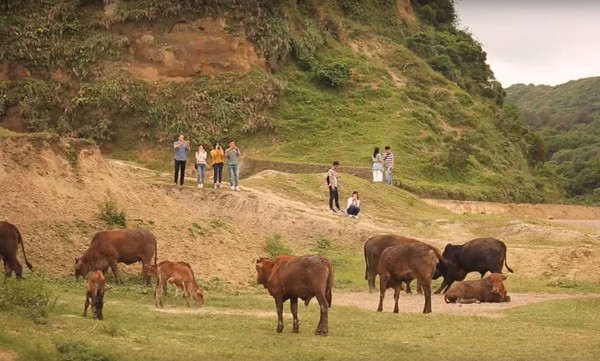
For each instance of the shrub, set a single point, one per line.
(30, 297)
(79, 351)
(110, 213)
(275, 246)
(322, 247)
(333, 75)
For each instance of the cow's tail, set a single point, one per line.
(366, 263)
(508, 268)
(155, 251)
(329, 287)
(438, 255)
(20, 238)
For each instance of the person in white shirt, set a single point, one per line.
(201, 165)
(353, 207)
(377, 166)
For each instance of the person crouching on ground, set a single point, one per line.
(353, 207)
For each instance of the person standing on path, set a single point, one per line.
(201, 165)
(332, 181)
(388, 158)
(377, 166)
(232, 154)
(181, 147)
(217, 157)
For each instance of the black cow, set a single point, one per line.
(478, 255)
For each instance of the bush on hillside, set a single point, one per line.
(275, 246)
(30, 296)
(333, 75)
(110, 213)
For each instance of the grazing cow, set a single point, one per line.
(478, 255)
(489, 289)
(95, 294)
(109, 247)
(403, 263)
(10, 238)
(294, 278)
(374, 246)
(181, 275)
(151, 270)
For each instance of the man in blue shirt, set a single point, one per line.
(181, 147)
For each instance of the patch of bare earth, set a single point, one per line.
(7, 355)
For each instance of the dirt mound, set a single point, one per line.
(204, 46)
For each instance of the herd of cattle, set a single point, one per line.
(395, 259)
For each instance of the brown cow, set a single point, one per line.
(109, 247)
(403, 263)
(151, 270)
(489, 289)
(10, 238)
(373, 248)
(181, 275)
(95, 294)
(304, 277)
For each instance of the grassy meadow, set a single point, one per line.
(240, 325)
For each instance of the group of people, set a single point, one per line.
(381, 163)
(217, 156)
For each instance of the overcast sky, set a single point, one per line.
(540, 42)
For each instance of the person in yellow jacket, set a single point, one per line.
(217, 156)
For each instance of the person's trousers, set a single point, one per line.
(179, 171)
(218, 172)
(389, 176)
(334, 196)
(201, 172)
(234, 175)
(353, 210)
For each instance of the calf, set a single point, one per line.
(181, 275)
(10, 238)
(403, 263)
(293, 278)
(95, 294)
(489, 289)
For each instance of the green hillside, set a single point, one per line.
(291, 80)
(568, 117)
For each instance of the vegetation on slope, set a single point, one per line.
(340, 77)
(568, 118)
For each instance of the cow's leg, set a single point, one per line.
(426, 286)
(186, 294)
(371, 279)
(446, 283)
(396, 297)
(94, 303)
(100, 304)
(158, 294)
(323, 326)
(16, 266)
(382, 288)
(419, 288)
(114, 267)
(279, 307)
(7, 270)
(87, 303)
(294, 310)
(408, 289)
(145, 276)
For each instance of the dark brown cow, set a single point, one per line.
(110, 247)
(489, 289)
(95, 294)
(294, 278)
(181, 275)
(10, 238)
(404, 263)
(373, 248)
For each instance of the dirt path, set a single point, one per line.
(407, 303)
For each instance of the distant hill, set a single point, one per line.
(300, 81)
(568, 118)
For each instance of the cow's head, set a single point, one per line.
(264, 266)
(497, 284)
(81, 268)
(448, 268)
(198, 296)
(150, 270)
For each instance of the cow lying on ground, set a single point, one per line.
(10, 238)
(478, 255)
(404, 263)
(181, 275)
(95, 294)
(373, 248)
(110, 247)
(489, 289)
(293, 278)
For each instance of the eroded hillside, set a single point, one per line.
(52, 189)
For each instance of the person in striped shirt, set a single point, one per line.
(388, 159)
